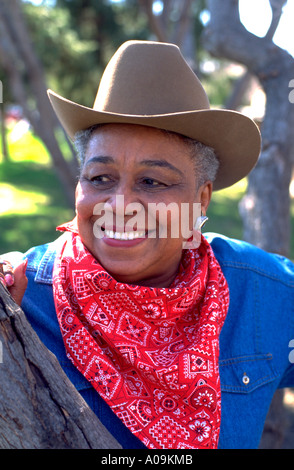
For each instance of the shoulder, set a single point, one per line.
(40, 260)
(240, 255)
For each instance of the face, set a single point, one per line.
(129, 170)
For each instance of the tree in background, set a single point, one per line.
(27, 84)
(266, 206)
(79, 39)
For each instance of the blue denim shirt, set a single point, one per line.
(254, 341)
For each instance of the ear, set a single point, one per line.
(204, 196)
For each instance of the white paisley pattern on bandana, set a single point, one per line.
(151, 353)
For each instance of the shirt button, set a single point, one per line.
(245, 379)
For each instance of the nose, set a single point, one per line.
(123, 197)
(123, 205)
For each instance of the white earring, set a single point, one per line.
(200, 222)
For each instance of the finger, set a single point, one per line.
(9, 279)
(20, 283)
(6, 273)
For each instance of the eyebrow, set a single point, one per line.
(162, 164)
(100, 159)
(150, 163)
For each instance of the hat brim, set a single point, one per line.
(234, 137)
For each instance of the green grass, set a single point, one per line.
(32, 202)
(27, 148)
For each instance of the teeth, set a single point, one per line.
(124, 235)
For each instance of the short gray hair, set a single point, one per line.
(204, 157)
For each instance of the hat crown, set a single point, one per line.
(149, 78)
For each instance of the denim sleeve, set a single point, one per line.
(288, 378)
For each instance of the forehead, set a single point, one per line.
(137, 141)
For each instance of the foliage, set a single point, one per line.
(65, 57)
(80, 36)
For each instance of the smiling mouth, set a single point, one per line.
(124, 235)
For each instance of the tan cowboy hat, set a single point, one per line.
(150, 83)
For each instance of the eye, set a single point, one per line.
(100, 179)
(152, 183)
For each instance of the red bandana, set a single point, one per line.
(151, 353)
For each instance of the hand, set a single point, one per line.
(14, 279)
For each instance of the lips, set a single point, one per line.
(119, 239)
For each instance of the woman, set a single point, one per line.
(175, 340)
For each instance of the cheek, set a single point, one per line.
(181, 220)
(85, 203)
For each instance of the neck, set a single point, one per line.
(162, 280)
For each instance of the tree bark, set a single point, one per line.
(265, 209)
(39, 406)
(240, 89)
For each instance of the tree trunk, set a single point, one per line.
(27, 83)
(240, 89)
(5, 152)
(179, 31)
(266, 206)
(39, 406)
